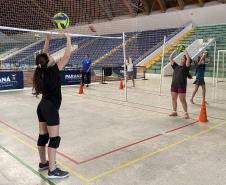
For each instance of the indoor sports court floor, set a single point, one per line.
(107, 141)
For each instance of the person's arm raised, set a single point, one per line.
(171, 58)
(188, 61)
(67, 53)
(202, 59)
(46, 45)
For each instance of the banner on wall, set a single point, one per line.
(11, 80)
(71, 77)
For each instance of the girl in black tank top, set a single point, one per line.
(46, 81)
(52, 85)
(179, 82)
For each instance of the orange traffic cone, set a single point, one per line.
(81, 89)
(203, 114)
(121, 85)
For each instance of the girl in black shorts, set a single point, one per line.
(179, 82)
(46, 81)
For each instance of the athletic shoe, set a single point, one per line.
(43, 166)
(57, 174)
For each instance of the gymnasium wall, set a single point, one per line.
(211, 13)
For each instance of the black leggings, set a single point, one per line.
(48, 112)
(88, 77)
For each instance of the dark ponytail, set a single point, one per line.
(41, 63)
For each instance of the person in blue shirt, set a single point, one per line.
(86, 70)
(200, 73)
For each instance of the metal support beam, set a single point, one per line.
(147, 8)
(201, 2)
(162, 5)
(129, 7)
(137, 6)
(222, 1)
(181, 4)
(105, 7)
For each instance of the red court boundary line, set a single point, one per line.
(121, 104)
(127, 146)
(22, 133)
(104, 154)
(178, 128)
(141, 141)
(157, 94)
(152, 106)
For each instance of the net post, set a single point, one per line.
(223, 66)
(162, 65)
(214, 63)
(218, 61)
(125, 72)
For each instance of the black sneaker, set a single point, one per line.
(57, 174)
(43, 166)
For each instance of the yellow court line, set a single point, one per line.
(66, 167)
(129, 163)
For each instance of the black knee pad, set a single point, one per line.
(43, 139)
(54, 142)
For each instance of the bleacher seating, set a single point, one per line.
(137, 47)
(201, 32)
(26, 56)
(138, 44)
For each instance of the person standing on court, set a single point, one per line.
(46, 81)
(179, 82)
(130, 70)
(86, 70)
(200, 73)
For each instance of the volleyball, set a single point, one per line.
(180, 48)
(61, 21)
